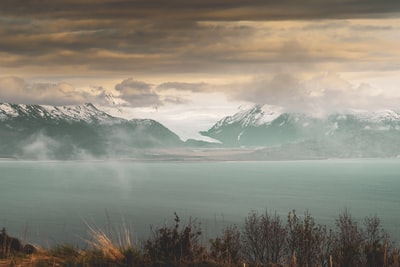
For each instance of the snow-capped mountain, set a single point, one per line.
(257, 126)
(49, 132)
(354, 133)
(81, 113)
(36, 131)
(256, 116)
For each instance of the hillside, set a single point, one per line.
(294, 135)
(67, 132)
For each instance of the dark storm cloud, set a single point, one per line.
(157, 36)
(199, 9)
(102, 45)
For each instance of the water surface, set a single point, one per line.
(51, 202)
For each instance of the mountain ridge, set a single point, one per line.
(352, 134)
(259, 115)
(84, 131)
(87, 112)
(67, 132)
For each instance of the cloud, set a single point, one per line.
(39, 146)
(311, 93)
(138, 93)
(184, 86)
(100, 96)
(176, 100)
(142, 94)
(128, 92)
(17, 90)
(320, 94)
(281, 90)
(152, 36)
(199, 10)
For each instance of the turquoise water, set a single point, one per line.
(49, 202)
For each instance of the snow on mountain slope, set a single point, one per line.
(86, 113)
(268, 125)
(378, 116)
(69, 132)
(262, 115)
(255, 116)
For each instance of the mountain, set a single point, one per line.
(296, 135)
(84, 131)
(49, 132)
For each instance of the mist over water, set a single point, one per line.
(48, 202)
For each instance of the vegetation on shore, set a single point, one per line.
(263, 240)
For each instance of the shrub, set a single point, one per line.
(171, 244)
(307, 241)
(376, 242)
(263, 238)
(227, 249)
(349, 239)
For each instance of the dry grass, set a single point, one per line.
(104, 243)
(112, 248)
(36, 259)
(170, 246)
(113, 244)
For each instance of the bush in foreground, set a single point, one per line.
(264, 240)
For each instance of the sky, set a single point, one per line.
(189, 63)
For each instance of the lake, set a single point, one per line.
(48, 202)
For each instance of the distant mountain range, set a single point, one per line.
(281, 135)
(48, 132)
(84, 131)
